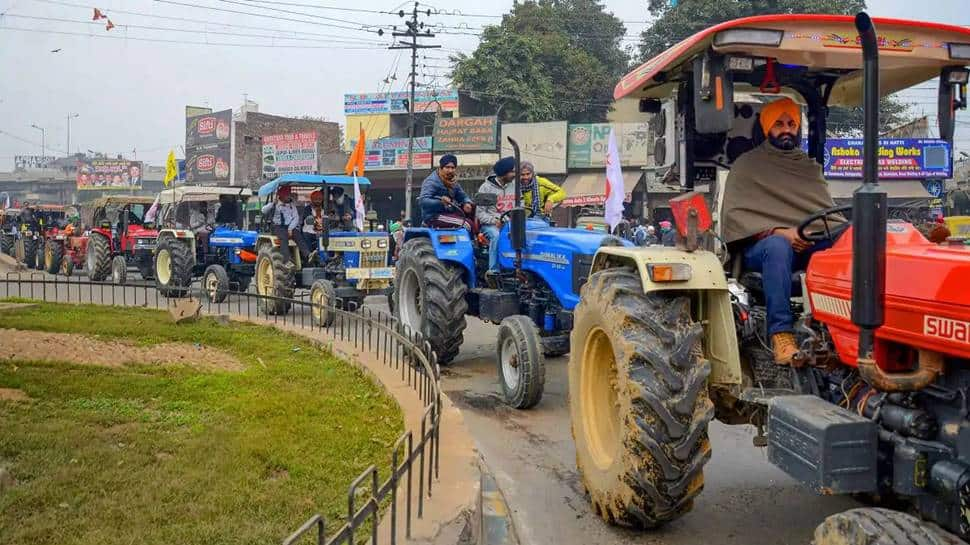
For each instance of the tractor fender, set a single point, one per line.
(707, 285)
(459, 251)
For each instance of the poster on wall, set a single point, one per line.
(208, 148)
(466, 133)
(392, 153)
(588, 143)
(432, 100)
(109, 175)
(294, 152)
(900, 159)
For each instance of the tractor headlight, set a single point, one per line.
(365, 244)
(382, 243)
(669, 272)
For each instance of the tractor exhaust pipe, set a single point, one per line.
(869, 209)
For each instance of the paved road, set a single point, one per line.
(746, 501)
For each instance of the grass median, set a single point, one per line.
(155, 444)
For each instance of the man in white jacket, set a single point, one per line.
(490, 217)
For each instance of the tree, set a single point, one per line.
(674, 24)
(547, 60)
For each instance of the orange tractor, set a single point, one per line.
(877, 400)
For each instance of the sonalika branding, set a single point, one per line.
(945, 328)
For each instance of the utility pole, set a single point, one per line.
(43, 141)
(414, 33)
(69, 118)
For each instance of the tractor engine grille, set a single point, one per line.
(372, 260)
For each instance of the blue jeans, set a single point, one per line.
(775, 259)
(491, 232)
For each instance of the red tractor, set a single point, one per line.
(119, 238)
(876, 399)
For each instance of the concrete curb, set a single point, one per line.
(495, 518)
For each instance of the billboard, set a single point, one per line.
(542, 144)
(109, 175)
(24, 162)
(392, 153)
(588, 143)
(290, 152)
(396, 102)
(207, 147)
(899, 159)
(465, 133)
(192, 111)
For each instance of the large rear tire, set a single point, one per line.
(173, 268)
(273, 279)
(53, 256)
(638, 400)
(429, 297)
(98, 257)
(6, 243)
(876, 526)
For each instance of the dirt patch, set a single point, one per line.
(78, 349)
(12, 394)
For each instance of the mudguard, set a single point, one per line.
(456, 247)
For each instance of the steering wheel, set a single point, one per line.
(825, 215)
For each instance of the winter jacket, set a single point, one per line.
(432, 189)
(489, 215)
(549, 191)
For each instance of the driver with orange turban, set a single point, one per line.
(313, 214)
(768, 193)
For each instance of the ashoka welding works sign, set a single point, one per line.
(290, 152)
(465, 133)
(904, 158)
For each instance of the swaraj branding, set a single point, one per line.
(945, 328)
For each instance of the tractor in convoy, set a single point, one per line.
(119, 238)
(441, 277)
(874, 401)
(342, 266)
(9, 227)
(202, 234)
(57, 228)
(23, 231)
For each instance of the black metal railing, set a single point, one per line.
(396, 346)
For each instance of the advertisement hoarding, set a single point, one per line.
(542, 144)
(109, 175)
(24, 162)
(392, 153)
(588, 143)
(289, 152)
(466, 133)
(207, 147)
(396, 102)
(900, 159)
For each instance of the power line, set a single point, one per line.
(291, 12)
(362, 28)
(316, 6)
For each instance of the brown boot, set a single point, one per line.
(784, 348)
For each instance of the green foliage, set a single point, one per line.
(174, 454)
(547, 60)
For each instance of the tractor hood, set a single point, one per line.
(225, 237)
(580, 241)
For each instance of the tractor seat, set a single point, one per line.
(752, 282)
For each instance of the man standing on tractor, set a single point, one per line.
(550, 194)
(444, 203)
(769, 191)
(285, 219)
(489, 217)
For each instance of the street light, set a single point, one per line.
(69, 118)
(43, 141)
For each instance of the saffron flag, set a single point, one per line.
(615, 190)
(355, 164)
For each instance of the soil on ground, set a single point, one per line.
(82, 350)
(12, 394)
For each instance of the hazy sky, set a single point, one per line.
(130, 93)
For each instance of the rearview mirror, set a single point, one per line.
(713, 95)
(952, 97)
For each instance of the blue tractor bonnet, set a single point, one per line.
(310, 180)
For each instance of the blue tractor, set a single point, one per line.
(220, 251)
(440, 278)
(344, 265)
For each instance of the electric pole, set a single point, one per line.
(414, 33)
(69, 118)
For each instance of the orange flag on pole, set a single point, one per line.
(356, 160)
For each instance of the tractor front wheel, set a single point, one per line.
(98, 257)
(323, 298)
(173, 268)
(41, 249)
(876, 526)
(429, 297)
(638, 400)
(274, 281)
(30, 253)
(521, 366)
(67, 266)
(119, 270)
(215, 284)
(53, 256)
